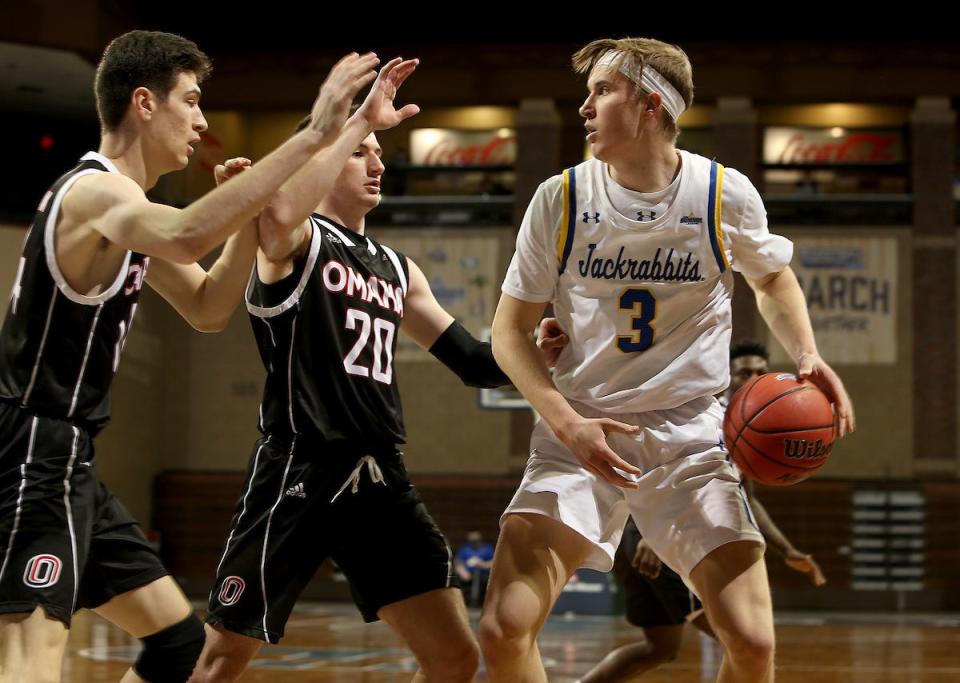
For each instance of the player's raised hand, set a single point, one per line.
(346, 78)
(378, 107)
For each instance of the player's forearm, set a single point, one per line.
(208, 221)
(469, 358)
(517, 355)
(226, 280)
(299, 195)
(768, 528)
(781, 303)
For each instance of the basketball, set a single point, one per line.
(779, 429)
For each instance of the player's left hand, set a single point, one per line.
(378, 108)
(332, 106)
(811, 366)
(646, 561)
(230, 168)
(551, 340)
(805, 563)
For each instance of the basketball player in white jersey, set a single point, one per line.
(634, 249)
(656, 599)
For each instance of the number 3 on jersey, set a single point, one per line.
(383, 331)
(641, 324)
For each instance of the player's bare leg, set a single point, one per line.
(534, 559)
(435, 627)
(732, 582)
(31, 647)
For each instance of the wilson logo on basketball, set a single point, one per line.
(42, 571)
(801, 449)
(230, 590)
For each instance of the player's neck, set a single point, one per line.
(126, 152)
(653, 169)
(353, 218)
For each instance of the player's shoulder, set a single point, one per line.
(551, 190)
(96, 193)
(737, 190)
(738, 183)
(701, 164)
(588, 169)
(552, 187)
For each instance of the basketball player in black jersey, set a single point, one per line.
(65, 541)
(327, 479)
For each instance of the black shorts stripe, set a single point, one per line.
(266, 537)
(23, 486)
(69, 514)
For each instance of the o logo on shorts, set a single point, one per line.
(230, 590)
(42, 571)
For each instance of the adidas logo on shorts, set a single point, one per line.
(296, 491)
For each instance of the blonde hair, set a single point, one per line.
(669, 60)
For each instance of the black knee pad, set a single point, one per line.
(170, 655)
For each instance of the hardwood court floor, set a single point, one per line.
(330, 643)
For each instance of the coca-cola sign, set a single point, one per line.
(832, 146)
(447, 147)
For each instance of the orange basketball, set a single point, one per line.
(779, 429)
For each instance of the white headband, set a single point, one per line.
(648, 78)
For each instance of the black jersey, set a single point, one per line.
(327, 334)
(59, 349)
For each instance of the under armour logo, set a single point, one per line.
(587, 217)
(646, 215)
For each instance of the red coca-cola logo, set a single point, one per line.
(500, 150)
(856, 148)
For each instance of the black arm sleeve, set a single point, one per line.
(470, 359)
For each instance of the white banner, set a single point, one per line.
(448, 147)
(829, 146)
(850, 286)
(462, 271)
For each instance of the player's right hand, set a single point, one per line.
(346, 78)
(230, 168)
(802, 562)
(587, 440)
(378, 108)
(646, 561)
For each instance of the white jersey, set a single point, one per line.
(646, 303)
